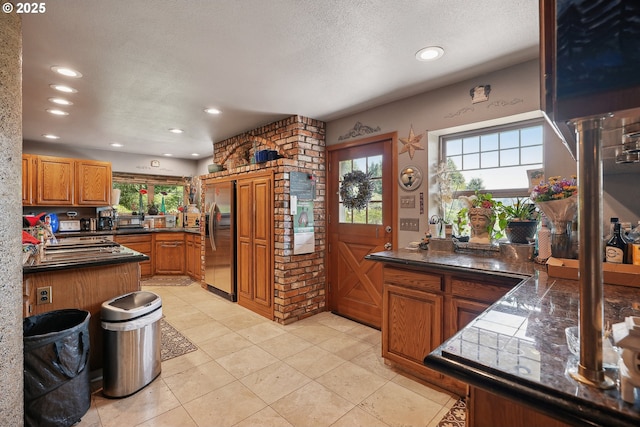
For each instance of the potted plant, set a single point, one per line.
(522, 220)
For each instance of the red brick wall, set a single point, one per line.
(299, 280)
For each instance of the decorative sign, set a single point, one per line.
(302, 185)
(303, 232)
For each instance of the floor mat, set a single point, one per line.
(456, 417)
(174, 344)
(167, 281)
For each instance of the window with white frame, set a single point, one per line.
(490, 160)
(494, 159)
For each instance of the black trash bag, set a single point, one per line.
(57, 390)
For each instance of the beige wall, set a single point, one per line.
(514, 96)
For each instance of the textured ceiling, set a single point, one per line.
(151, 65)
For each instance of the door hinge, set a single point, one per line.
(329, 247)
(328, 286)
(329, 218)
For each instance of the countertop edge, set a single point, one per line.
(444, 266)
(134, 257)
(528, 394)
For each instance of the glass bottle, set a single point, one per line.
(616, 249)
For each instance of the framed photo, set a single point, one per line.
(535, 176)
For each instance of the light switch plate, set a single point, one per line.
(407, 201)
(409, 224)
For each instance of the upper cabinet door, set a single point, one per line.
(54, 181)
(28, 168)
(93, 183)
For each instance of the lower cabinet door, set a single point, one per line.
(412, 325)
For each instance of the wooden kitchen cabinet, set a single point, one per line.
(193, 256)
(471, 296)
(59, 181)
(422, 307)
(255, 243)
(54, 181)
(169, 253)
(28, 179)
(93, 183)
(486, 409)
(411, 319)
(141, 243)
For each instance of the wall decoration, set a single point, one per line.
(410, 178)
(355, 190)
(480, 93)
(358, 130)
(411, 144)
(460, 112)
(503, 103)
(303, 226)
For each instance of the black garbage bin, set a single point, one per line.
(57, 390)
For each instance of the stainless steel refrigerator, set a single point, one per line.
(220, 252)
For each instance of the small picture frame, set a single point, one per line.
(535, 176)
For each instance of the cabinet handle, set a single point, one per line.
(173, 245)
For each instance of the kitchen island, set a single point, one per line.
(81, 279)
(513, 355)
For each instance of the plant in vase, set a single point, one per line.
(522, 221)
(557, 198)
(485, 217)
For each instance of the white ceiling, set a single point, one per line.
(151, 65)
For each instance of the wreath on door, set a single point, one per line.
(356, 189)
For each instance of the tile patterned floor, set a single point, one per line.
(248, 371)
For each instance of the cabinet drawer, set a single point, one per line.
(173, 237)
(135, 238)
(413, 279)
(487, 291)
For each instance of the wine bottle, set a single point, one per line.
(616, 249)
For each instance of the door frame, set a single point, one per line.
(331, 188)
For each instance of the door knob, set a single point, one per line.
(387, 246)
(387, 229)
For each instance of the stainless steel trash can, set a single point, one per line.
(132, 342)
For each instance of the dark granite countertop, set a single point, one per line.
(517, 348)
(457, 262)
(126, 255)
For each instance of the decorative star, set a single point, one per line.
(411, 144)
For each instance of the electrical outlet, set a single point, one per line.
(43, 295)
(409, 224)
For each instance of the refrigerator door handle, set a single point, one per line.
(212, 220)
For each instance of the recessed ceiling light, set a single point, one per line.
(63, 88)
(429, 53)
(176, 130)
(57, 112)
(195, 154)
(50, 136)
(168, 154)
(116, 144)
(212, 111)
(60, 101)
(68, 72)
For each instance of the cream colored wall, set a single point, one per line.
(514, 96)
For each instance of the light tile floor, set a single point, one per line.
(249, 371)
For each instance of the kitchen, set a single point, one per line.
(517, 101)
